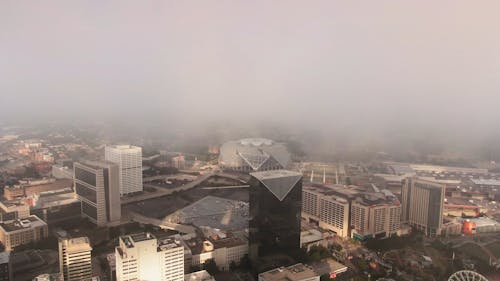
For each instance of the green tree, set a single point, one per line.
(211, 266)
(348, 181)
(245, 262)
(232, 266)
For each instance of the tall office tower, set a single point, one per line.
(423, 202)
(75, 261)
(129, 159)
(97, 186)
(142, 257)
(5, 267)
(275, 208)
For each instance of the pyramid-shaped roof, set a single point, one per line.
(278, 182)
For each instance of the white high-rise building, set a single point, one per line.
(75, 261)
(143, 257)
(129, 159)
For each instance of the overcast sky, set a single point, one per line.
(360, 64)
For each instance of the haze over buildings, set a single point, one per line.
(361, 70)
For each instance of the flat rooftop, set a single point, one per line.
(168, 243)
(202, 275)
(484, 221)
(458, 201)
(492, 182)
(22, 224)
(78, 244)
(123, 146)
(295, 272)
(4, 257)
(143, 236)
(328, 266)
(215, 212)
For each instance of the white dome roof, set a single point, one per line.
(256, 153)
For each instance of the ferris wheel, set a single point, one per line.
(467, 275)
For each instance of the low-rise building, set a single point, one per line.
(202, 275)
(60, 171)
(459, 207)
(13, 209)
(451, 226)
(223, 251)
(30, 187)
(56, 206)
(480, 225)
(49, 277)
(328, 266)
(18, 232)
(297, 272)
(312, 237)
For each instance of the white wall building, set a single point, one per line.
(75, 261)
(223, 251)
(129, 159)
(143, 257)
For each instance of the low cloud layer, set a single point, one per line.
(344, 67)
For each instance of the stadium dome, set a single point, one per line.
(254, 154)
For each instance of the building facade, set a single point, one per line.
(352, 211)
(75, 260)
(129, 160)
(24, 231)
(142, 257)
(275, 215)
(422, 205)
(5, 267)
(97, 187)
(328, 211)
(223, 251)
(374, 219)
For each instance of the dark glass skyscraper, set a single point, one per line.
(275, 207)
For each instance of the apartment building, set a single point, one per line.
(22, 231)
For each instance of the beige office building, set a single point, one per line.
(379, 218)
(329, 211)
(22, 231)
(75, 260)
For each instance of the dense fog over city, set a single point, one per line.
(380, 75)
(249, 140)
